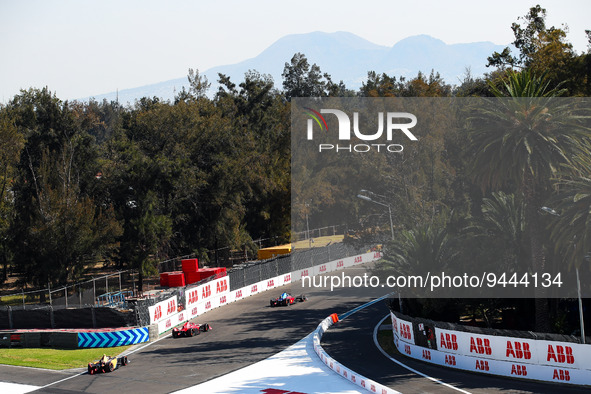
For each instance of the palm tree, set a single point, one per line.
(503, 222)
(518, 140)
(426, 248)
(571, 230)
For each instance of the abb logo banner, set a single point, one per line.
(503, 356)
(405, 331)
(163, 310)
(241, 293)
(448, 341)
(205, 292)
(469, 344)
(302, 273)
(324, 268)
(524, 370)
(195, 310)
(515, 350)
(221, 286)
(173, 321)
(394, 324)
(564, 355)
(192, 296)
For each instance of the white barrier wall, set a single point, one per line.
(549, 361)
(360, 380)
(163, 310)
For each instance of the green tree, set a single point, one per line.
(501, 230)
(147, 234)
(302, 80)
(425, 248)
(571, 230)
(541, 49)
(58, 230)
(11, 145)
(520, 141)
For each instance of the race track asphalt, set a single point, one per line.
(244, 333)
(249, 331)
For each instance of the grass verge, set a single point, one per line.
(57, 359)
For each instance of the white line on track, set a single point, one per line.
(63, 380)
(82, 373)
(375, 341)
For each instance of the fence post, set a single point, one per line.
(49, 291)
(106, 284)
(10, 325)
(80, 295)
(93, 292)
(66, 295)
(93, 316)
(23, 299)
(119, 281)
(51, 319)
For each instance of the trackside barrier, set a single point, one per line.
(113, 338)
(550, 361)
(352, 376)
(163, 310)
(216, 293)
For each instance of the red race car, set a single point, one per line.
(287, 299)
(190, 329)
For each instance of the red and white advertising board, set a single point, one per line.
(207, 296)
(172, 321)
(404, 330)
(558, 362)
(163, 310)
(518, 350)
(206, 292)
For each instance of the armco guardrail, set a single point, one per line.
(217, 293)
(352, 376)
(550, 361)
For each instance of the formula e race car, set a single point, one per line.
(190, 329)
(107, 364)
(286, 299)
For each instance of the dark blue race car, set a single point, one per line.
(286, 299)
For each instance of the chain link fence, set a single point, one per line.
(119, 290)
(247, 274)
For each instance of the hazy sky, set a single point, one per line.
(81, 48)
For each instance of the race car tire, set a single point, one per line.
(197, 332)
(191, 332)
(110, 367)
(175, 334)
(90, 370)
(205, 327)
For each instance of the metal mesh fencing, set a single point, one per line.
(248, 274)
(40, 305)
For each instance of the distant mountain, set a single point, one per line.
(345, 57)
